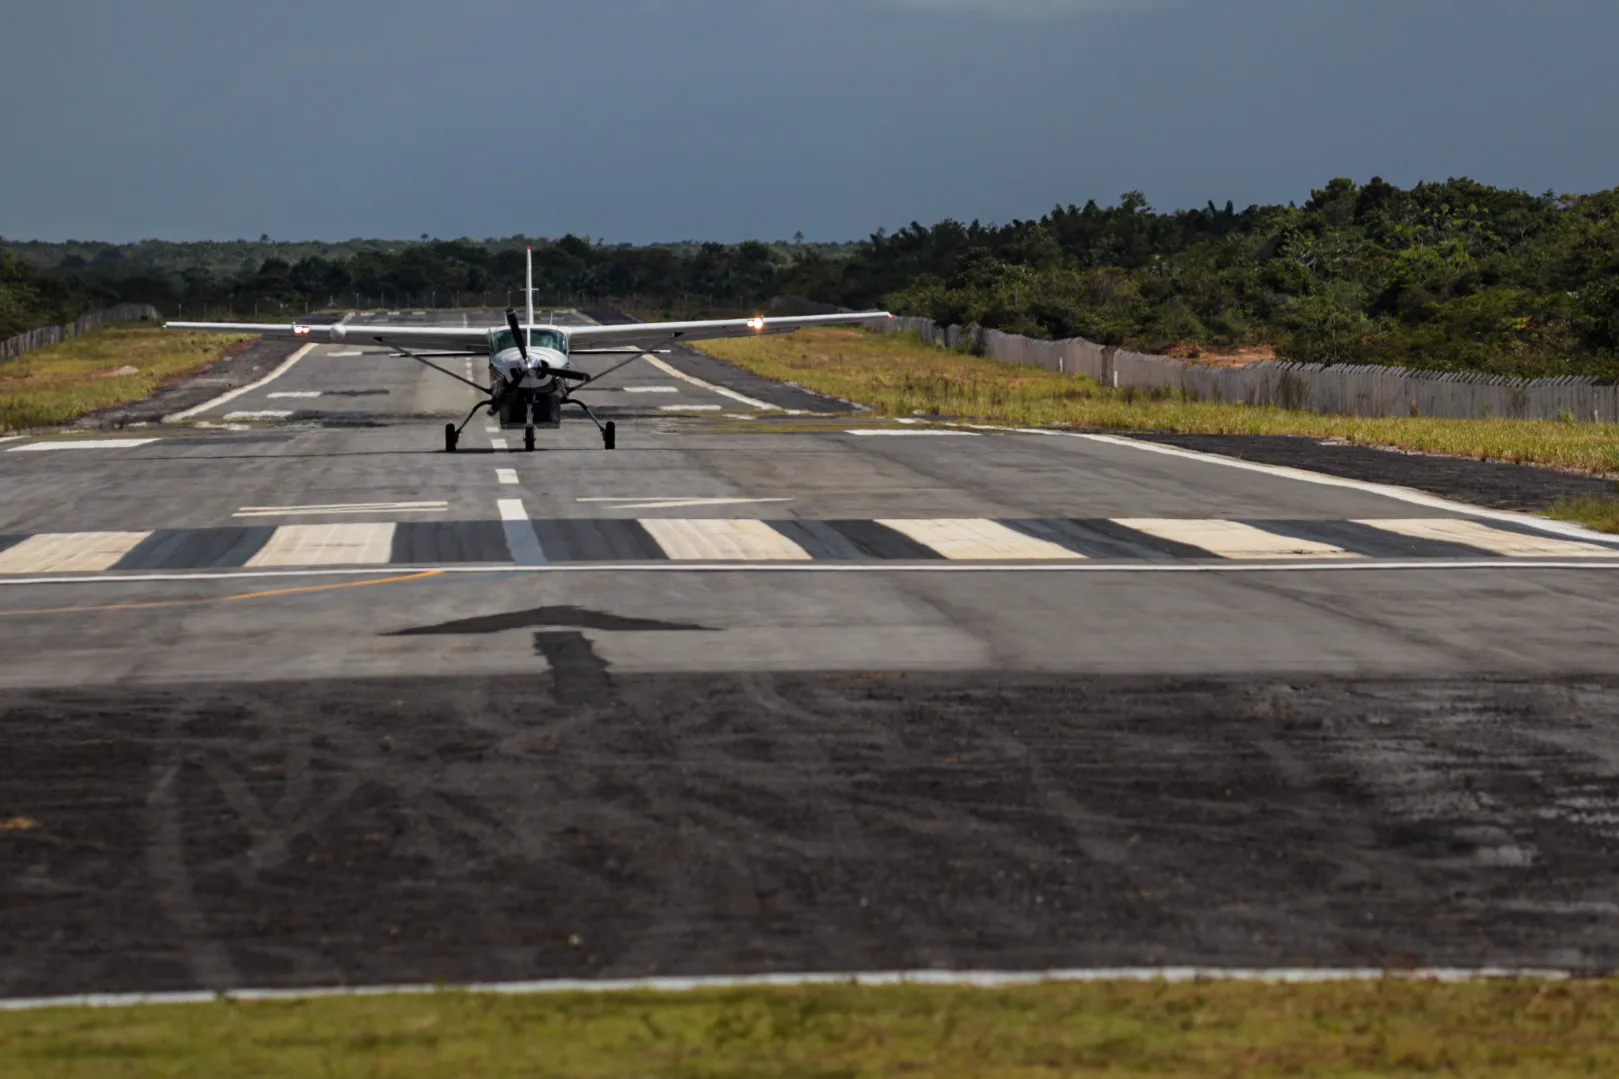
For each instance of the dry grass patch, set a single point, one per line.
(1593, 512)
(900, 376)
(110, 366)
(1382, 1028)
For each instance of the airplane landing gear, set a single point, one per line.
(528, 437)
(609, 435)
(451, 437)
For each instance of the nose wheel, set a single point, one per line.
(528, 437)
(609, 435)
(451, 437)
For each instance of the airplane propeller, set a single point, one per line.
(517, 333)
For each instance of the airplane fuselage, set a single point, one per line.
(535, 394)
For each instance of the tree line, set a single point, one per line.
(1455, 275)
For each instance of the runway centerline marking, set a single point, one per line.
(294, 393)
(506, 475)
(521, 541)
(498, 443)
(691, 408)
(651, 389)
(258, 414)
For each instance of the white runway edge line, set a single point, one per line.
(225, 398)
(751, 402)
(445, 569)
(976, 979)
(1388, 490)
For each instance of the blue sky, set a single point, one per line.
(643, 120)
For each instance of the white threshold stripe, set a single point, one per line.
(232, 395)
(327, 545)
(1499, 540)
(69, 552)
(675, 372)
(720, 538)
(977, 538)
(1233, 539)
(1493, 566)
(981, 979)
(1387, 490)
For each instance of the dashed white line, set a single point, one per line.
(295, 393)
(498, 443)
(234, 394)
(342, 507)
(512, 509)
(651, 389)
(690, 408)
(709, 386)
(916, 432)
(83, 444)
(506, 475)
(259, 414)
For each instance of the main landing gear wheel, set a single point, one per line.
(451, 437)
(528, 437)
(609, 435)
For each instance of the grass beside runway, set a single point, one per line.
(110, 366)
(897, 375)
(1385, 1028)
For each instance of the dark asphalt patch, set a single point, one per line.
(380, 831)
(567, 615)
(1495, 484)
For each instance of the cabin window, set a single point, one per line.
(550, 339)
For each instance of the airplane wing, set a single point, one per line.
(447, 338)
(645, 335)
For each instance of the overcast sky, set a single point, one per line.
(646, 120)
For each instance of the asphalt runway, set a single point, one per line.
(293, 698)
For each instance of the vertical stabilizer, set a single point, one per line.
(529, 292)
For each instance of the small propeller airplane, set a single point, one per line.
(531, 373)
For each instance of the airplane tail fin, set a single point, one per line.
(530, 291)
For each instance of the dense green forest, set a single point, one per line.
(1455, 275)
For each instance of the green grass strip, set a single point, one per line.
(1121, 1029)
(110, 366)
(896, 375)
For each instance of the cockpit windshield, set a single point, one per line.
(537, 338)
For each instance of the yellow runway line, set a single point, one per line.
(227, 599)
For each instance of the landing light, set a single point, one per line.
(298, 330)
(756, 323)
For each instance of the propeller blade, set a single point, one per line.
(517, 332)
